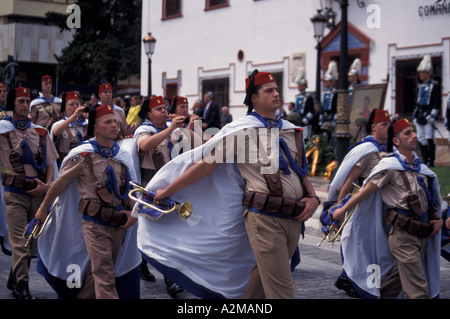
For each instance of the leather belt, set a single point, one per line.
(19, 182)
(409, 224)
(107, 214)
(273, 204)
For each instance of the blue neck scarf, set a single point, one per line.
(79, 122)
(50, 100)
(380, 147)
(20, 124)
(301, 171)
(413, 167)
(105, 151)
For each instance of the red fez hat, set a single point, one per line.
(2, 85)
(381, 116)
(400, 125)
(22, 92)
(181, 100)
(156, 101)
(104, 87)
(46, 78)
(103, 110)
(72, 96)
(261, 78)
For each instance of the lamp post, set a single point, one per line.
(149, 46)
(343, 108)
(319, 22)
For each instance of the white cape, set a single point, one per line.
(40, 99)
(61, 244)
(346, 166)
(209, 253)
(364, 239)
(133, 147)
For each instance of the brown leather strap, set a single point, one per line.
(405, 181)
(14, 158)
(299, 144)
(274, 185)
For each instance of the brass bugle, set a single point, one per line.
(329, 235)
(39, 228)
(184, 210)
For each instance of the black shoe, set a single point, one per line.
(23, 290)
(172, 288)
(345, 284)
(146, 274)
(12, 285)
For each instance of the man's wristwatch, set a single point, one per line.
(316, 197)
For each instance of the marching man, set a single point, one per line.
(99, 236)
(408, 256)
(28, 153)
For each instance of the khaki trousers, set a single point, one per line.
(408, 274)
(273, 242)
(20, 210)
(103, 244)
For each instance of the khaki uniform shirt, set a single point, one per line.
(77, 167)
(251, 172)
(146, 158)
(368, 162)
(43, 117)
(394, 192)
(64, 141)
(33, 138)
(121, 122)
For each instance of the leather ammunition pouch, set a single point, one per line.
(19, 182)
(106, 213)
(273, 204)
(158, 160)
(414, 205)
(103, 193)
(409, 224)
(104, 208)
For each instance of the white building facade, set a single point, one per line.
(214, 44)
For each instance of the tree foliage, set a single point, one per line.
(106, 48)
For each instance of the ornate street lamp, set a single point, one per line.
(149, 46)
